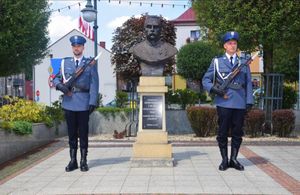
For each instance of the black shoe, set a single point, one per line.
(224, 165)
(73, 163)
(83, 166)
(71, 166)
(83, 162)
(234, 163)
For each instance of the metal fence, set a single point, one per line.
(272, 97)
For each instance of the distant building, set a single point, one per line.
(187, 31)
(45, 93)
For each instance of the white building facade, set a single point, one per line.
(47, 94)
(186, 28)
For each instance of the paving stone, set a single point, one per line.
(196, 171)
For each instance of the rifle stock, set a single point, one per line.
(233, 74)
(69, 83)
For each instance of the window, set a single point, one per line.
(195, 35)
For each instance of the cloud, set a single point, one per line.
(117, 22)
(60, 25)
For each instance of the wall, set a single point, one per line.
(182, 33)
(176, 123)
(12, 145)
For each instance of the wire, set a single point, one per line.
(130, 2)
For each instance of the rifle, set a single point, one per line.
(70, 81)
(233, 74)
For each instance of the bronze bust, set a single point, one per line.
(153, 53)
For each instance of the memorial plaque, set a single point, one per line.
(152, 112)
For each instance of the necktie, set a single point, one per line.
(231, 61)
(77, 62)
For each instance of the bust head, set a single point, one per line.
(152, 28)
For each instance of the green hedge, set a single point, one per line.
(183, 97)
(18, 127)
(203, 120)
(108, 112)
(254, 121)
(283, 122)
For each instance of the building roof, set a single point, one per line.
(188, 17)
(77, 32)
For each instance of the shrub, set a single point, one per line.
(22, 127)
(253, 122)
(100, 100)
(203, 120)
(202, 96)
(6, 125)
(121, 99)
(20, 113)
(171, 98)
(289, 97)
(22, 110)
(113, 112)
(283, 122)
(184, 97)
(53, 115)
(187, 97)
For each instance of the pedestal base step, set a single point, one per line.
(151, 150)
(152, 162)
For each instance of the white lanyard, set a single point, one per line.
(217, 68)
(62, 65)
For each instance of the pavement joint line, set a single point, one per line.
(9, 177)
(281, 177)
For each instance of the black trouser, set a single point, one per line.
(78, 126)
(233, 119)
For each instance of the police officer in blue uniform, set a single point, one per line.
(231, 110)
(79, 101)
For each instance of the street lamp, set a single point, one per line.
(89, 14)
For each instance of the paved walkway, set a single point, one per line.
(268, 170)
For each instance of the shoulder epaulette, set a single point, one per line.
(68, 58)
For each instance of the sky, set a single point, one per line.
(110, 15)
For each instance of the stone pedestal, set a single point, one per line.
(151, 147)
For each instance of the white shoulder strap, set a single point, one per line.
(62, 67)
(217, 67)
(215, 64)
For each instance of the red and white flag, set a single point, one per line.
(86, 29)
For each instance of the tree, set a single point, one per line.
(23, 34)
(260, 22)
(286, 64)
(130, 33)
(193, 59)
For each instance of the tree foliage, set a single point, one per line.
(270, 23)
(193, 59)
(286, 64)
(23, 34)
(131, 33)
